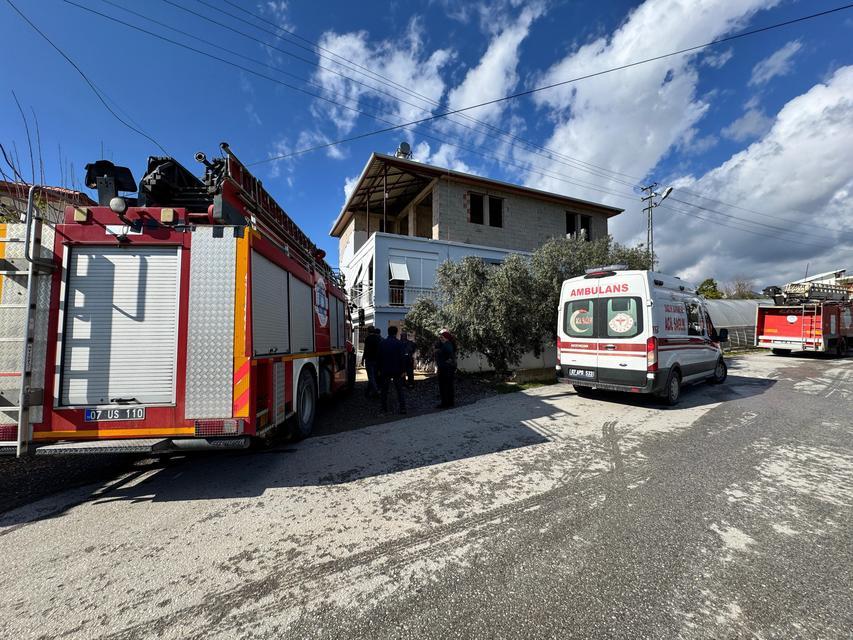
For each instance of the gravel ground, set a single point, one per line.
(29, 479)
(354, 411)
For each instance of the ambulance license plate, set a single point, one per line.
(124, 413)
(589, 374)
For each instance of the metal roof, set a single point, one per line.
(405, 179)
(734, 313)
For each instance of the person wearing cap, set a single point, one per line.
(445, 360)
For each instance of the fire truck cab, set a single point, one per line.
(635, 331)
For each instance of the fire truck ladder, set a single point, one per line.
(808, 334)
(23, 272)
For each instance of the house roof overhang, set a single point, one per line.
(405, 179)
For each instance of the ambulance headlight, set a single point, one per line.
(118, 205)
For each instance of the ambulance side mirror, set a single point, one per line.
(723, 335)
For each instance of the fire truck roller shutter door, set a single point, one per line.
(121, 326)
(301, 316)
(270, 326)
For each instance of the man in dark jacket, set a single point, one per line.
(392, 356)
(370, 359)
(409, 349)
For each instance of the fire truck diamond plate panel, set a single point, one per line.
(210, 340)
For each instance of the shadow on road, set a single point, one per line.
(423, 441)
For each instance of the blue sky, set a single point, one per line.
(762, 125)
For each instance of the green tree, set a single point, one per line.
(564, 258)
(506, 310)
(709, 289)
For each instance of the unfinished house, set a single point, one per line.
(404, 218)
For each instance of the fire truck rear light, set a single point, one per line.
(167, 215)
(224, 427)
(81, 214)
(652, 354)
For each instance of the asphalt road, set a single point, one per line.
(528, 515)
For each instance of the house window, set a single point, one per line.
(496, 212)
(571, 223)
(476, 204)
(586, 227)
(578, 223)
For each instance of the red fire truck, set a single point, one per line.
(809, 315)
(195, 315)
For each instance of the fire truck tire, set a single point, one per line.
(781, 352)
(721, 372)
(306, 404)
(672, 390)
(350, 371)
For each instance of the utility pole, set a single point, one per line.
(649, 199)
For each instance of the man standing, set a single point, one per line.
(445, 361)
(391, 357)
(409, 359)
(370, 359)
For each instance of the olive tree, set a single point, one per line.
(503, 311)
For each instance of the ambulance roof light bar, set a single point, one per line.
(609, 270)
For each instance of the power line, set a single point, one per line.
(532, 167)
(554, 85)
(86, 78)
(552, 153)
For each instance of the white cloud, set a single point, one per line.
(277, 10)
(718, 60)
(403, 62)
(752, 124)
(349, 186)
(798, 173)
(629, 120)
(780, 63)
(496, 74)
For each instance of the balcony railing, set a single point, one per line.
(405, 296)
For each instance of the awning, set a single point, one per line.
(399, 270)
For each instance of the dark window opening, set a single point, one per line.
(571, 223)
(476, 202)
(404, 225)
(586, 227)
(496, 212)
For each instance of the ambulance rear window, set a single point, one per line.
(579, 319)
(624, 318)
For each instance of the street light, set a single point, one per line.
(650, 205)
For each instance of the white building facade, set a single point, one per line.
(404, 218)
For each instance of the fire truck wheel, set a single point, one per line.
(350, 371)
(306, 404)
(721, 372)
(672, 391)
(841, 348)
(781, 352)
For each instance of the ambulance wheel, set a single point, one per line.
(721, 372)
(306, 404)
(672, 391)
(781, 352)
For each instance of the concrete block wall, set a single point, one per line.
(527, 222)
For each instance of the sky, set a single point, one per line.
(755, 134)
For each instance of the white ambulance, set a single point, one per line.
(635, 331)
